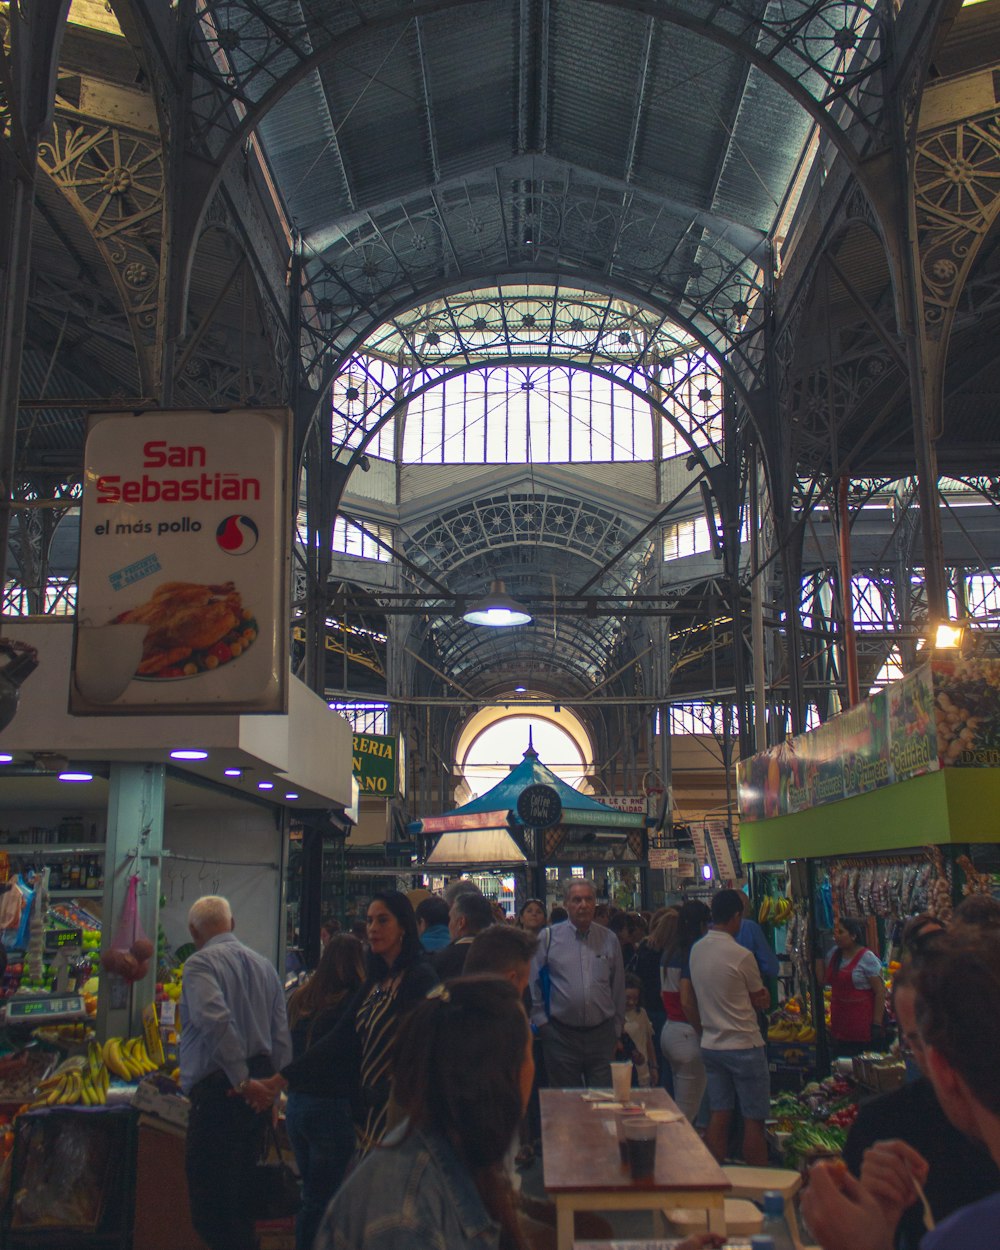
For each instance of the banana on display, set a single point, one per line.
(127, 1059)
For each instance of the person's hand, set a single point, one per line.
(842, 1213)
(698, 1240)
(260, 1094)
(887, 1171)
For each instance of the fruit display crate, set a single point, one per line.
(72, 1180)
(799, 1055)
(791, 1064)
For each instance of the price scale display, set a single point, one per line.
(51, 1007)
(62, 939)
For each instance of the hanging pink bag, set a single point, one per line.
(130, 950)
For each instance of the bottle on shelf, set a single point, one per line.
(55, 876)
(74, 873)
(92, 873)
(775, 1223)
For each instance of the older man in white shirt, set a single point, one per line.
(233, 1027)
(580, 1024)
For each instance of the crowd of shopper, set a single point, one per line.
(384, 1047)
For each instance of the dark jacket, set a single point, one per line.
(450, 960)
(331, 1067)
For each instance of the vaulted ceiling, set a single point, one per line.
(236, 193)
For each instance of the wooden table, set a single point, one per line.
(582, 1169)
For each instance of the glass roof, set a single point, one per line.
(519, 321)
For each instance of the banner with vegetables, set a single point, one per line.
(945, 714)
(967, 711)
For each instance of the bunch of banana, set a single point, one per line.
(97, 1078)
(81, 1079)
(776, 911)
(791, 1031)
(128, 1059)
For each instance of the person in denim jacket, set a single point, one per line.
(463, 1074)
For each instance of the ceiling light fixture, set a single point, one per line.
(234, 772)
(948, 636)
(189, 755)
(265, 785)
(291, 795)
(6, 759)
(76, 776)
(520, 689)
(496, 609)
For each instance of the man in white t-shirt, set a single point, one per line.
(729, 990)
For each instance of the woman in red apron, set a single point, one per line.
(857, 997)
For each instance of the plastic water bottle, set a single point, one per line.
(775, 1225)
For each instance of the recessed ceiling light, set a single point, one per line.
(189, 755)
(520, 689)
(291, 795)
(234, 772)
(265, 785)
(5, 758)
(76, 776)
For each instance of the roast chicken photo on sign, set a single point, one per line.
(192, 629)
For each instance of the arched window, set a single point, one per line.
(500, 747)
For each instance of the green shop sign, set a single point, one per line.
(375, 764)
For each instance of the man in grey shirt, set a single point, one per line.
(580, 1026)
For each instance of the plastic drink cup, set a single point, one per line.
(626, 1113)
(640, 1146)
(621, 1081)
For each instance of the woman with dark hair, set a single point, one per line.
(397, 976)
(857, 991)
(318, 1116)
(680, 1038)
(531, 917)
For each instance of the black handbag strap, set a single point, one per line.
(271, 1139)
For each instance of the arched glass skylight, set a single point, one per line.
(528, 376)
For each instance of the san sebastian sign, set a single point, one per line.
(185, 541)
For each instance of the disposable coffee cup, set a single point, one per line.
(621, 1081)
(640, 1147)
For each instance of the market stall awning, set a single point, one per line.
(468, 848)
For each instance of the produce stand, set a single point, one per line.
(888, 810)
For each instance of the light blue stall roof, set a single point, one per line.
(532, 772)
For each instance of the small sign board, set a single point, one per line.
(664, 857)
(151, 1032)
(375, 760)
(539, 807)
